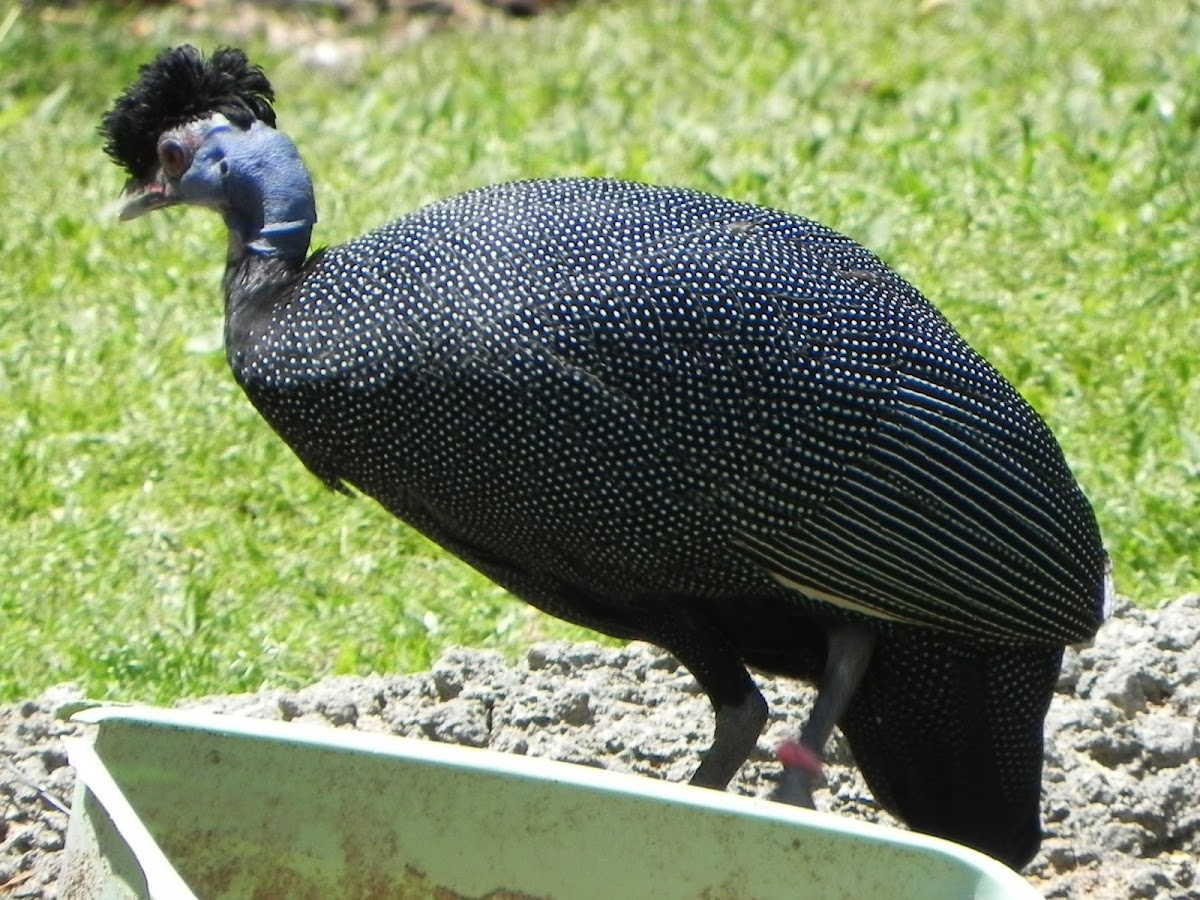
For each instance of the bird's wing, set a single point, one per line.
(959, 511)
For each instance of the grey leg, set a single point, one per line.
(850, 649)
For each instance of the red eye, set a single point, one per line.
(174, 157)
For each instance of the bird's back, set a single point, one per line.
(655, 392)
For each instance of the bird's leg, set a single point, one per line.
(741, 711)
(738, 726)
(849, 653)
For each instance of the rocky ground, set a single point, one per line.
(1122, 777)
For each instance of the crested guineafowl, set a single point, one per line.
(722, 429)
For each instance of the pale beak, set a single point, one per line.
(139, 198)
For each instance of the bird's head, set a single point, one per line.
(201, 132)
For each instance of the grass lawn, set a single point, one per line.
(1032, 166)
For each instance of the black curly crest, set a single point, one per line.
(180, 86)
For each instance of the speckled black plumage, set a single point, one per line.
(633, 406)
(673, 392)
(720, 428)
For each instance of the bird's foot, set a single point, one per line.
(801, 768)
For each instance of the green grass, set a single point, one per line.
(1033, 167)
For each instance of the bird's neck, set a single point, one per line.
(257, 286)
(280, 228)
(270, 221)
(271, 209)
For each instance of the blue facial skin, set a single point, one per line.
(253, 177)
